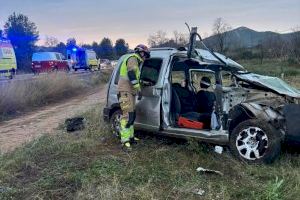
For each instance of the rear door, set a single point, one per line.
(60, 63)
(148, 109)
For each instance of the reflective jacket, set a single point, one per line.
(129, 80)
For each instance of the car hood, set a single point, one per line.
(273, 83)
(206, 56)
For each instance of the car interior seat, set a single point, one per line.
(187, 119)
(187, 98)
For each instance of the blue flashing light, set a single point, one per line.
(74, 49)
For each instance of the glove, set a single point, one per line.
(139, 94)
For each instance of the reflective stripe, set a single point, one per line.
(124, 69)
(134, 82)
(136, 86)
(125, 132)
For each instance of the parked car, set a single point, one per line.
(81, 58)
(105, 64)
(254, 114)
(8, 64)
(48, 62)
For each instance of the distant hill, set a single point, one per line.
(248, 38)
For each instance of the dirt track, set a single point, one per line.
(22, 129)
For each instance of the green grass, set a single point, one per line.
(92, 165)
(274, 68)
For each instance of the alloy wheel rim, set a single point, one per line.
(252, 143)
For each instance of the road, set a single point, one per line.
(22, 129)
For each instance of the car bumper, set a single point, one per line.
(106, 116)
(3, 71)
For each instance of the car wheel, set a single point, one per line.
(55, 70)
(255, 141)
(115, 122)
(67, 69)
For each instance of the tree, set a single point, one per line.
(96, 48)
(261, 51)
(1, 33)
(23, 35)
(106, 49)
(51, 41)
(121, 47)
(71, 42)
(61, 48)
(180, 39)
(295, 44)
(220, 30)
(158, 39)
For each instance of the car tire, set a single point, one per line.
(12, 74)
(255, 141)
(67, 69)
(115, 123)
(55, 69)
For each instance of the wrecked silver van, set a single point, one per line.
(255, 114)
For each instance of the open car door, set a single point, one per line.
(148, 109)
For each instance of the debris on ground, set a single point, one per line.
(219, 149)
(75, 124)
(209, 171)
(4, 189)
(199, 191)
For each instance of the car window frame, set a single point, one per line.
(205, 71)
(159, 72)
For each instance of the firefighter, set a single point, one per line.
(128, 88)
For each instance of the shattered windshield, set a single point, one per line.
(273, 83)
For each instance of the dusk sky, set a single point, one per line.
(135, 20)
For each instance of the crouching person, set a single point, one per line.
(128, 89)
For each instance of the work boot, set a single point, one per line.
(134, 140)
(126, 146)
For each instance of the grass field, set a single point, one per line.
(275, 68)
(91, 165)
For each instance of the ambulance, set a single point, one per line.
(81, 58)
(8, 64)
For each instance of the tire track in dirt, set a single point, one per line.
(20, 130)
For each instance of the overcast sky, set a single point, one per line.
(135, 20)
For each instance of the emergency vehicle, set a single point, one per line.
(48, 62)
(8, 64)
(81, 58)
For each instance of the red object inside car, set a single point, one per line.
(187, 123)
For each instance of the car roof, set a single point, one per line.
(164, 52)
(204, 57)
